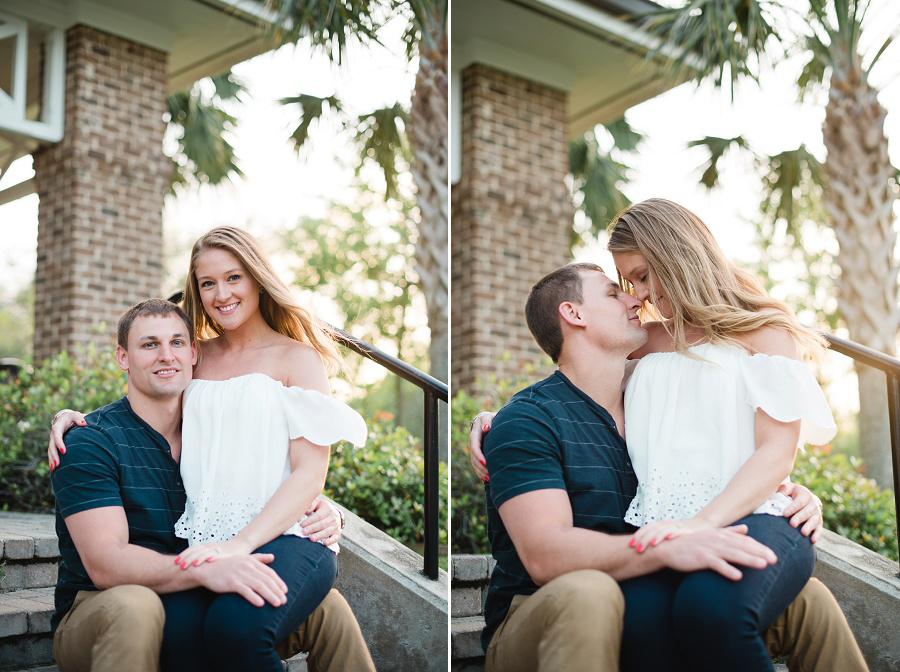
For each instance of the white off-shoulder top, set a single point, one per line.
(690, 423)
(236, 437)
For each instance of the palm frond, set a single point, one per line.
(717, 147)
(597, 178)
(381, 136)
(311, 108)
(428, 23)
(203, 154)
(328, 24)
(725, 37)
(792, 188)
(625, 137)
(228, 86)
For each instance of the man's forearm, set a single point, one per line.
(132, 564)
(568, 550)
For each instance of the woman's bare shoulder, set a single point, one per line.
(304, 366)
(771, 341)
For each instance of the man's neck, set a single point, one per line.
(599, 375)
(163, 415)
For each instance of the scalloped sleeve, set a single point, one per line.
(321, 419)
(787, 391)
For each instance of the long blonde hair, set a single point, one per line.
(705, 290)
(276, 302)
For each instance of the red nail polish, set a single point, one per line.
(483, 463)
(631, 544)
(639, 547)
(670, 535)
(487, 427)
(652, 542)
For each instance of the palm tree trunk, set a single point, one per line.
(859, 203)
(428, 132)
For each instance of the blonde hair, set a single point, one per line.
(704, 289)
(276, 302)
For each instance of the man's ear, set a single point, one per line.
(122, 357)
(194, 353)
(571, 313)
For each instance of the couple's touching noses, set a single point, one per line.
(658, 529)
(191, 531)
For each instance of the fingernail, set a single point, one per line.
(487, 427)
(670, 535)
(184, 565)
(62, 450)
(196, 562)
(631, 544)
(484, 479)
(487, 479)
(652, 542)
(483, 463)
(639, 547)
(178, 560)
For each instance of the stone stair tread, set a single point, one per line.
(26, 611)
(41, 668)
(465, 637)
(24, 536)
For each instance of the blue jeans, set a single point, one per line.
(225, 633)
(703, 621)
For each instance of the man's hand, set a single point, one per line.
(480, 426)
(247, 575)
(718, 550)
(805, 510)
(322, 523)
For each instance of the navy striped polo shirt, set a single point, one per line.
(551, 436)
(116, 460)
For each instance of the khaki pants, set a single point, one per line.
(121, 628)
(560, 628)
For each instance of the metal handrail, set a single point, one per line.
(891, 367)
(434, 391)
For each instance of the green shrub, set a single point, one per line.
(384, 482)
(27, 405)
(468, 522)
(853, 506)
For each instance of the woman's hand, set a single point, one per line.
(653, 534)
(62, 421)
(481, 423)
(805, 509)
(197, 555)
(323, 522)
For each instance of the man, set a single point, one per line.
(118, 496)
(560, 483)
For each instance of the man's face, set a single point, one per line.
(610, 314)
(159, 358)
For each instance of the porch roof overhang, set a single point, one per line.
(201, 38)
(591, 49)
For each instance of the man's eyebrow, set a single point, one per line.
(157, 338)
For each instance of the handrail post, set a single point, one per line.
(432, 485)
(893, 392)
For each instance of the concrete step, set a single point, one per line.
(25, 639)
(29, 552)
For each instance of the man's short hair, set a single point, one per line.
(150, 308)
(542, 307)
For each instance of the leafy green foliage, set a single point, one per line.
(17, 324)
(198, 119)
(598, 176)
(853, 506)
(27, 405)
(468, 515)
(384, 482)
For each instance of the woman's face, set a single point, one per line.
(229, 294)
(634, 268)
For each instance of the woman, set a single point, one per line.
(258, 418)
(714, 411)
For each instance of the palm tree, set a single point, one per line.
(728, 39)
(390, 135)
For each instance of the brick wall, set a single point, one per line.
(101, 193)
(510, 218)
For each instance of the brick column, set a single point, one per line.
(101, 193)
(511, 218)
